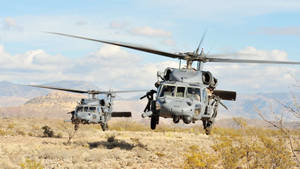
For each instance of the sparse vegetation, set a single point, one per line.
(31, 164)
(168, 147)
(246, 147)
(48, 132)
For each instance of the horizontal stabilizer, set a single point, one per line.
(121, 114)
(225, 95)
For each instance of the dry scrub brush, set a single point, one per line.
(246, 147)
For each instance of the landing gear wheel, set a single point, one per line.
(208, 130)
(104, 126)
(176, 119)
(154, 121)
(207, 125)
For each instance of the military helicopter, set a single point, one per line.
(185, 93)
(93, 110)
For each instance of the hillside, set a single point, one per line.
(17, 94)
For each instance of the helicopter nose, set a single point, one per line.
(177, 108)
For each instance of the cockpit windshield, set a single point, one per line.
(193, 93)
(79, 108)
(92, 109)
(86, 109)
(167, 90)
(180, 91)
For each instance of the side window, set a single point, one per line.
(167, 91)
(180, 91)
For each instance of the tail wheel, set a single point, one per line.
(104, 126)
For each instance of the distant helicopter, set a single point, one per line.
(93, 110)
(185, 93)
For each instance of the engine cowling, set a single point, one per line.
(209, 79)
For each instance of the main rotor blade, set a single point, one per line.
(62, 89)
(202, 39)
(120, 91)
(126, 45)
(247, 61)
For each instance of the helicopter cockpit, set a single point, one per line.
(178, 91)
(91, 109)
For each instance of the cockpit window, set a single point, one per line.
(193, 93)
(86, 109)
(79, 108)
(92, 109)
(180, 91)
(167, 91)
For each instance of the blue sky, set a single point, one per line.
(268, 28)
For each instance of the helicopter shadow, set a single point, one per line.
(123, 145)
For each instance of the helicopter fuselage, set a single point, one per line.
(184, 94)
(92, 111)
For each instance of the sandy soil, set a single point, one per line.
(93, 148)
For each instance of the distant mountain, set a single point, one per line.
(16, 94)
(247, 105)
(8, 89)
(56, 104)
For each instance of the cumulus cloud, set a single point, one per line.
(256, 77)
(34, 60)
(109, 67)
(149, 31)
(114, 67)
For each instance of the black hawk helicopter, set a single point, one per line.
(93, 110)
(185, 93)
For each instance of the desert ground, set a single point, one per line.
(22, 143)
(127, 145)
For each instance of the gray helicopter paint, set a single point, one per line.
(185, 75)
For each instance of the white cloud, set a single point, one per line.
(256, 77)
(114, 67)
(34, 60)
(149, 31)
